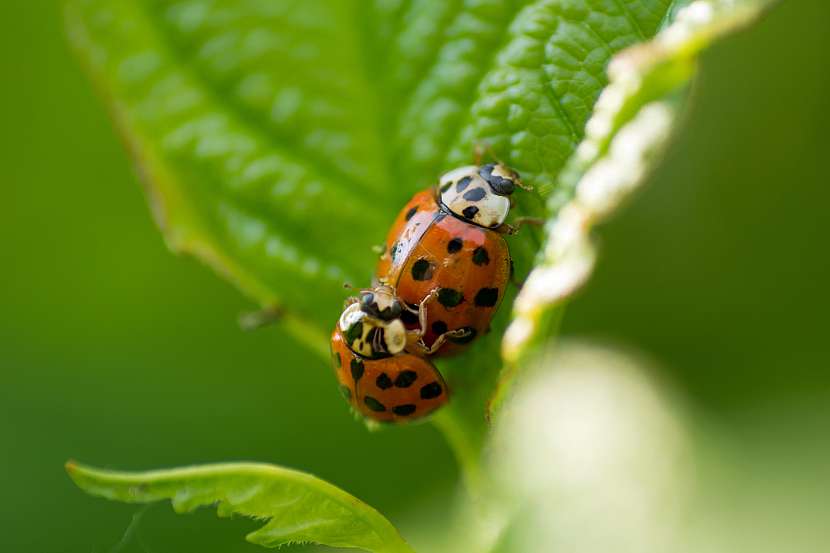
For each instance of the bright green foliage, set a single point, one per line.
(279, 139)
(296, 507)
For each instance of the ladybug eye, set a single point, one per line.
(367, 302)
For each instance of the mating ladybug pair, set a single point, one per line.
(440, 278)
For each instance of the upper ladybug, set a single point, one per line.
(446, 259)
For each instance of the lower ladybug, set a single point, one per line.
(377, 377)
(446, 252)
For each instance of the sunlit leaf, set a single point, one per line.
(278, 140)
(294, 506)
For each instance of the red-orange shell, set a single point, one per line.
(428, 249)
(400, 388)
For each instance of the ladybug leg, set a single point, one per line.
(518, 223)
(349, 301)
(422, 312)
(458, 333)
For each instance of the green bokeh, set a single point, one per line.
(114, 352)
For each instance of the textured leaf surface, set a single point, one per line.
(296, 507)
(279, 139)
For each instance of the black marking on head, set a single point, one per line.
(466, 339)
(446, 186)
(454, 245)
(408, 317)
(499, 185)
(357, 369)
(449, 297)
(405, 379)
(475, 194)
(371, 335)
(411, 212)
(345, 392)
(393, 250)
(383, 381)
(374, 404)
(463, 183)
(354, 332)
(480, 256)
(422, 269)
(431, 390)
(487, 297)
(369, 306)
(439, 327)
(405, 409)
(469, 212)
(335, 357)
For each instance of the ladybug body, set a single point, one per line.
(379, 380)
(446, 247)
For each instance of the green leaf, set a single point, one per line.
(295, 507)
(277, 140)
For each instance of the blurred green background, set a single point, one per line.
(117, 353)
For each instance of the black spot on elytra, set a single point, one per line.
(354, 332)
(431, 390)
(469, 212)
(405, 409)
(487, 297)
(374, 404)
(448, 297)
(422, 270)
(439, 327)
(411, 212)
(383, 381)
(405, 379)
(475, 194)
(468, 337)
(463, 183)
(345, 392)
(454, 245)
(408, 317)
(357, 369)
(480, 256)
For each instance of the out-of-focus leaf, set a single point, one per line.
(295, 507)
(628, 130)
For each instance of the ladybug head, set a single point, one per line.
(372, 326)
(479, 195)
(380, 303)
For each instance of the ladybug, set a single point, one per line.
(446, 254)
(380, 380)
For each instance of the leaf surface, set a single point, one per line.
(295, 507)
(278, 140)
